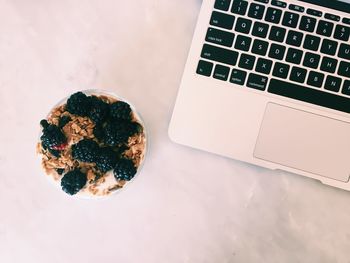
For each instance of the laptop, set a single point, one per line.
(268, 82)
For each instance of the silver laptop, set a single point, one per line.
(268, 82)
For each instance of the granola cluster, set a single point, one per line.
(75, 130)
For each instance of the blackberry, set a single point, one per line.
(85, 151)
(73, 181)
(63, 121)
(44, 124)
(124, 170)
(106, 160)
(115, 133)
(98, 132)
(135, 127)
(99, 110)
(120, 110)
(55, 153)
(78, 104)
(52, 137)
(118, 132)
(121, 149)
(60, 171)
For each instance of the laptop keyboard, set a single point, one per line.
(280, 48)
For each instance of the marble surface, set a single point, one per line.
(186, 205)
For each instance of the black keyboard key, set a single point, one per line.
(256, 81)
(262, 1)
(243, 25)
(333, 83)
(311, 60)
(325, 28)
(219, 37)
(297, 8)
(260, 29)
(223, 5)
(344, 69)
(246, 61)
(279, 3)
(294, 56)
(221, 72)
(256, 11)
(277, 51)
(273, 15)
(263, 66)
(346, 87)
(260, 47)
(313, 96)
(239, 7)
(280, 70)
(332, 17)
(294, 38)
(346, 20)
(219, 54)
(238, 77)
(312, 42)
(342, 32)
(243, 43)
(307, 24)
(315, 79)
(222, 20)
(204, 68)
(290, 19)
(329, 64)
(277, 34)
(314, 12)
(344, 51)
(298, 74)
(329, 47)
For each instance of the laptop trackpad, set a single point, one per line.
(305, 141)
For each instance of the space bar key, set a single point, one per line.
(298, 92)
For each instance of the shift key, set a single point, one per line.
(219, 54)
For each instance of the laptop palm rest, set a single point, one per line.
(305, 141)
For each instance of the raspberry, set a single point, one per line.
(60, 147)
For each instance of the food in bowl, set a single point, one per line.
(92, 144)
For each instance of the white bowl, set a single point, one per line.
(110, 176)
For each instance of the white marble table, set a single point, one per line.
(186, 205)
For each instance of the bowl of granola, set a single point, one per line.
(92, 143)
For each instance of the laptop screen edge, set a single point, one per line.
(335, 4)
